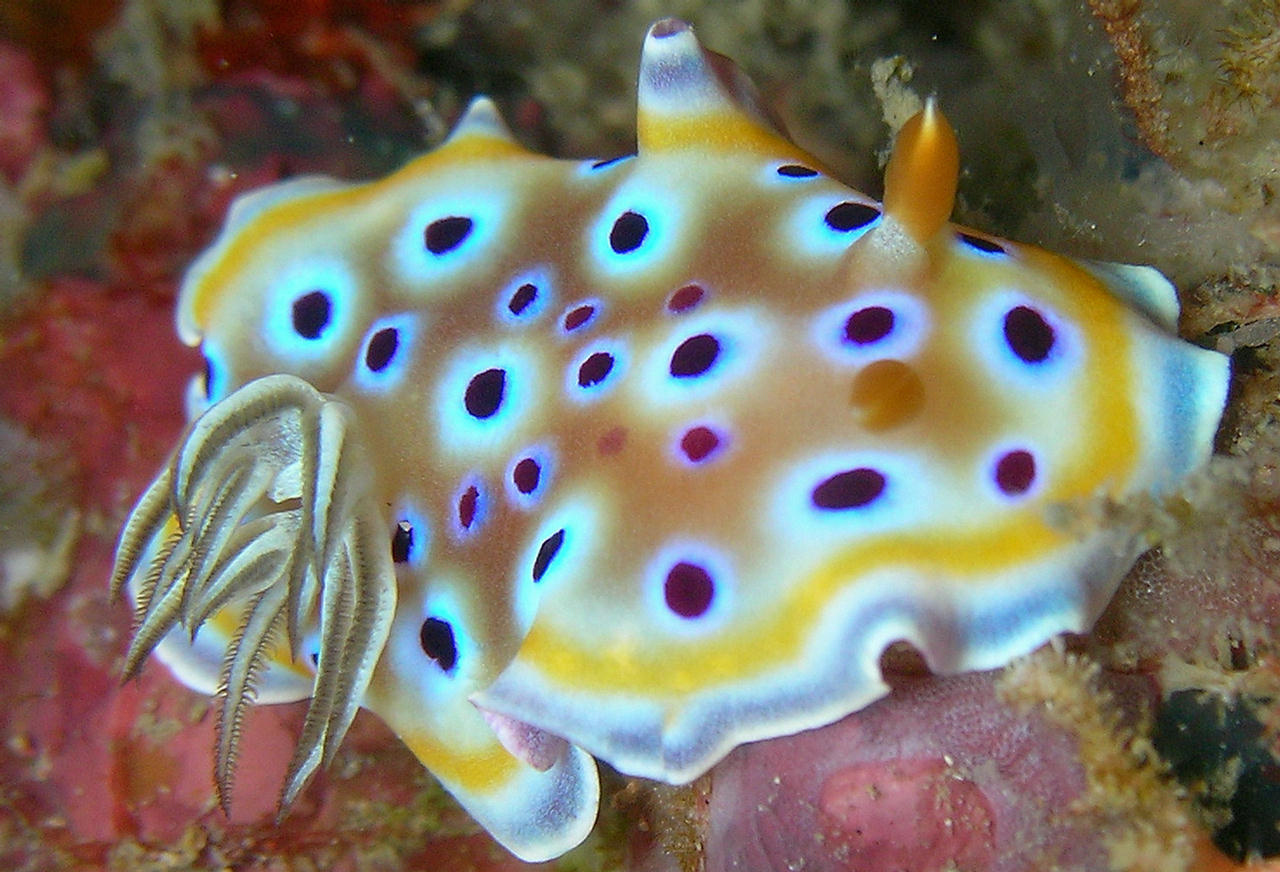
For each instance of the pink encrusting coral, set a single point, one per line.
(941, 774)
(1045, 765)
(24, 105)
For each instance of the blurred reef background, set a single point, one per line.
(1142, 131)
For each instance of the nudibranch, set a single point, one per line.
(638, 459)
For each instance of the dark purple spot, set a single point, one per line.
(311, 313)
(795, 171)
(850, 216)
(686, 298)
(208, 378)
(446, 234)
(695, 355)
(868, 325)
(611, 441)
(666, 27)
(849, 490)
(689, 590)
(526, 475)
(594, 369)
(523, 298)
(628, 232)
(467, 505)
(546, 553)
(699, 443)
(484, 393)
(402, 542)
(315, 658)
(1028, 334)
(579, 316)
(984, 245)
(382, 347)
(601, 164)
(437, 641)
(1016, 472)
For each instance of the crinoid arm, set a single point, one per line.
(259, 529)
